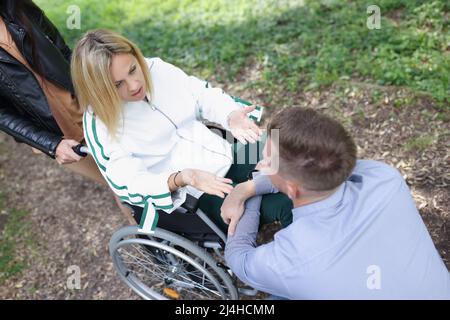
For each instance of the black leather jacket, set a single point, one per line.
(24, 110)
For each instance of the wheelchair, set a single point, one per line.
(182, 260)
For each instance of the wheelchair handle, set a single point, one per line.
(81, 150)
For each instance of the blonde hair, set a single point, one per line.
(91, 75)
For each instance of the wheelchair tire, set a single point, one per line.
(168, 266)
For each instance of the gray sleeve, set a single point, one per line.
(251, 264)
(245, 234)
(263, 185)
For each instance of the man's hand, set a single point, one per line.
(243, 128)
(65, 153)
(233, 205)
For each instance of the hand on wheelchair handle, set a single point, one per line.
(65, 154)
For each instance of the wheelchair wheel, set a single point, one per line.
(168, 266)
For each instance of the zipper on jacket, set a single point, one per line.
(154, 107)
(165, 115)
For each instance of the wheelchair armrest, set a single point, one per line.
(191, 203)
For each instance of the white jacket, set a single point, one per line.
(157, 139)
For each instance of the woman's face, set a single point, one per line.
(128, 77)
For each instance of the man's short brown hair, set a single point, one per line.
(314, 149)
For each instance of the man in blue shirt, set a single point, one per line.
(356, 233)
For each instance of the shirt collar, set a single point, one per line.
(332, 201)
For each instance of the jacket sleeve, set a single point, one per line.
(24, 130)
(263, 185)
(212, 104)
(52, 32)
(256, 266)
(127, 175)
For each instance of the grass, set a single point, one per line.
(301, 45)
(2, 200)
(420, 143)
(15, 230)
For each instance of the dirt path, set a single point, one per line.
(71, 219)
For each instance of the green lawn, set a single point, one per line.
(300, 47)
(14, 231)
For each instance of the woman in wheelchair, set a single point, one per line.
(143, 125)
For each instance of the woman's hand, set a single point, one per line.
(243, 128)
(207, 182)
(64, 152)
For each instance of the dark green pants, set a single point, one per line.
(274, 207)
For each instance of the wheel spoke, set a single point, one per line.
(161, 265)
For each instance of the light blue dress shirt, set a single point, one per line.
(366, 241)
